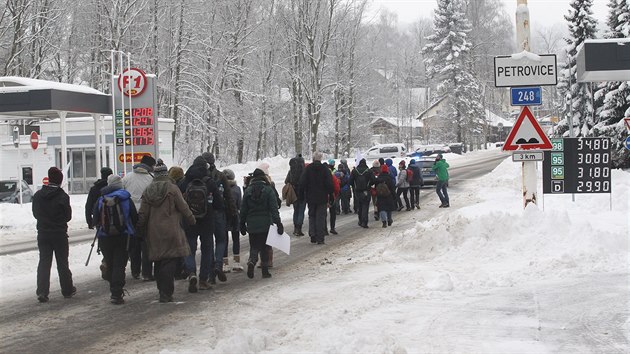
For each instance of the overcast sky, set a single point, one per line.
(541, 12)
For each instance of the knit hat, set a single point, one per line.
(438, 157)
(402, 163)
(412, 162)
(331, 162)
(384, 169)
(160, 170)
(258, 173)
(148, 160)
(317, 156)
(114, 181)
(343, 161)
(265, 167)
(200, 161)
(176, 173)
(376, 163)
(106, 171)
(209, 157)
(55, 176)
(229, 174)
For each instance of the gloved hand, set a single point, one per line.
(243, 229)
(280, 228)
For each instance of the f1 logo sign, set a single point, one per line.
(557, 186)
(132, 82)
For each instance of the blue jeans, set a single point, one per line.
(440, 189)
(386, 216)
(203, 230)
(220, 238)
(299, 207)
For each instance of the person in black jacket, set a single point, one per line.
(203, 228)
(361, 179)
(316, 188)
(385, 200)
(93, 195)
(415, 184)
(51, 208)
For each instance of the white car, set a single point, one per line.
(386, 151)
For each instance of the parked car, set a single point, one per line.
(427, 150)
(386, 151)
(10, 192)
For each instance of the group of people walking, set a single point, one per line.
(155, 218)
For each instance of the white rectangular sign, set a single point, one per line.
(525, 71)
(519, 156)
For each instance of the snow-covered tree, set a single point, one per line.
(447, 61)
(613, 97)
(577, 96)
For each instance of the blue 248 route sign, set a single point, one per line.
(526, 96)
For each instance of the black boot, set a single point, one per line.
(384, 224)
(265, 272)
(299, 230)
(250, 269)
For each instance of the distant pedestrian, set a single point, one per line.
(441, 169)
(259, 209)
(233, 226)
(296, 168)
(115, 216)
(361, 179)
(316, 188)
(415, 184)
(160, 219)
(402, 185)
(385, 192)
(51, 208)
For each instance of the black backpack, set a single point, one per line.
(197, 197)
(382, 190)
(112, 218)
(361, 181)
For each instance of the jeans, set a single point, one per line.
(402, 191)
(363, 204)
(415, 195)
(317, 221)
(440, 189)
(58, 246)
(258, 244)
(220, 238)
(345, 201)
(114, 250)
(298, 212)
(386, 216)
(202, 229)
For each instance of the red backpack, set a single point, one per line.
(409, 175)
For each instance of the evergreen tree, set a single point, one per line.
(614, 95)
(448, 61)
(577, 96)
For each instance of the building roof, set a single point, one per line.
(431, 106)
(394, 121)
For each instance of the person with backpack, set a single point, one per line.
(203, 198)
(115, 216)
(385, 192)
(332, 203)
(376, 170)
(316, 187)
(296, 168)
(441, 170)
(135, 182)
(402, 184)
(51, 208)
(259, 209)
(160, 221)
(224, 213)
(234, 226)
(344, 192)
(415, 183)
(361, 179)
(93, 195)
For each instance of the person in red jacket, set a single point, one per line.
(332, 208)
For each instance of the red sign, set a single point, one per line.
(527, 134)
(45, 181)
(132, 82)
(34, 140)
(135, 158)
(627, 120)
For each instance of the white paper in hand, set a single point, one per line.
(281, 242)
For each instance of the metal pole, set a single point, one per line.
(571, 132)
(113, 111)
(122, 107)
(130, 111)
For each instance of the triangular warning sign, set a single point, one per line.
(526, 134)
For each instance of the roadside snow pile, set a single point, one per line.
(496, 243)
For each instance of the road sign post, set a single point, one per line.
(34, 140)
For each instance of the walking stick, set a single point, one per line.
(91, 248)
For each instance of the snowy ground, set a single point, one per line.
(482, 276)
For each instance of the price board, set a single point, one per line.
(577, 165)
(136, 122)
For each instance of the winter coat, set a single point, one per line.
(128, 208)
(386, 203)
(199, 171)
(160, 219)
(401, 181)
(336, 186)
(344, 179)
(296, 169)
(227, 203)
(361, 178)
(137, 181)
(93, 195)
(316, 184)
(392, 170)
(259, 207)
(416, 180)
(51, 208)
(237, 197)
(441, 170)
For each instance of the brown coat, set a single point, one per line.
(288, 194)
(160, 220)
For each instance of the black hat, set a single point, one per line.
(148, 160)
(209, 157)
(106, 171)
(258, 173)
(55, 176)
(200, 161)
